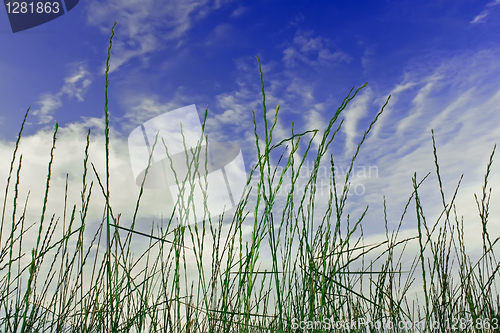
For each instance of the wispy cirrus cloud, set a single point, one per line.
(480, 18)
(75, 85)
(142, 107)
(219, 33)
(146, 24)
(356, 110)
(238, 11)
(312, 51)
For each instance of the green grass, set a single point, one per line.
(316, 271)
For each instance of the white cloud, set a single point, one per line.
(220, 32)
(366, 59)
(145, 25)
(75, 85)
(399, 88)
(68, 158)
(312, 51)
(48, 104)
(355, 111)
(238, 11)
(141, 108)
(299, 87)
(419, 107)
(480, 18)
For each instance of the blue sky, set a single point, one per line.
(439, 60)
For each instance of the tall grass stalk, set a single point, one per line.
(315, 269)
(111, 313)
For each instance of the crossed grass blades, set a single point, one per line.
(312, 277)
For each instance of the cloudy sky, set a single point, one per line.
(439, 61)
